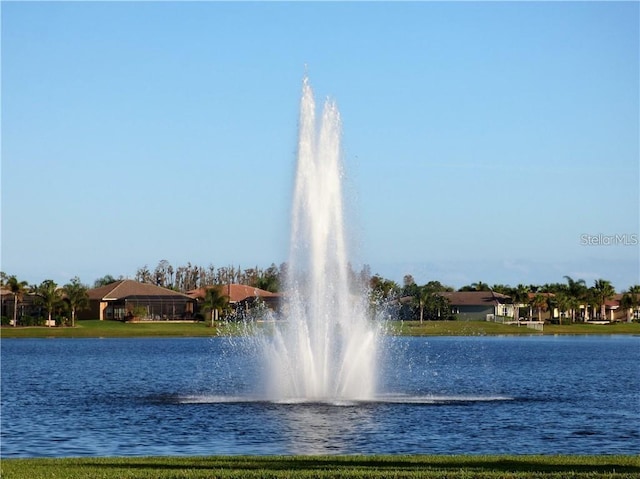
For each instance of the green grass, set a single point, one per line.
(112, 329)
(451, 467)
(116, 329)
(482, 328)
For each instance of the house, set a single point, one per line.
(616, 310)
(478, 305)
(127, 299)
(27, 307)
(241, 297)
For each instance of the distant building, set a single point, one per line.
(477, 305)
(241, 297)
(126, 299)
(27, 306)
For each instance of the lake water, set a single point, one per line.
(202, 396)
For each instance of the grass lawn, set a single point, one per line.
(480, 328)
(116, 329)
(112, 329)
(451, 467)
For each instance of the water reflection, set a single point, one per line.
(316, 428)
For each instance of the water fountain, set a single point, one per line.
(326, 348)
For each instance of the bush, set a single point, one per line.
(30, 321)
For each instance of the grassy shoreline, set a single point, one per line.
(115, 329)
(376, 466)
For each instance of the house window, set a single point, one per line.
(114, 312)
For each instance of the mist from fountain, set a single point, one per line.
(325, 349)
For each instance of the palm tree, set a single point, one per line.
(421, 298)
(566, 302)
(479, 286)
(519, 295)
(631, 300)
(382, 289)
(215, 301)
(552, 304)
(77, 297)
(539, 302)
(49, 297)
(603, 291)
(18, 288)
(577, 291)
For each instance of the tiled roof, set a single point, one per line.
(235, 292)
(127, 288)
(474, 298)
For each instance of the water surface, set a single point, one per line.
(474, 395)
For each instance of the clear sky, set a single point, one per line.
(482, 141)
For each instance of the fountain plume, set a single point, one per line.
(326, 347)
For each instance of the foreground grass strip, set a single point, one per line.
(451, 467)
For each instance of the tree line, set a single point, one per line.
(573, 298)
(50, 302)
(570, 298)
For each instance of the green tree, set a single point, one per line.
(269, 280)
(423, 295)
(630, 301)
(215, 302)
(18, 288)
(565, 302)
(552, 304)
(519, 295)
(49, 296)
(383, 289)
(501, 288)
(603, 291)
(105, 280)
(479, 286)
(76, 296)
(539, 302)
(577, 291)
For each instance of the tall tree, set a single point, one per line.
(407, 280)
(105, 280)
(519, 295)
(76, 295)
(161, 273)
(269, 280)
(577, 292)
(630, 301)
(382, 289)
(603, 291)
(143, 275)
(423, 294)
(539, 302)
(49, 296)
(479, 286)
(216, 302)
(18, 288)
(565, 303)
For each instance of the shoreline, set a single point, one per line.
(115, 329)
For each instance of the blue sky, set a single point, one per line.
(482, 141)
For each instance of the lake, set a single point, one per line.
(437, 395)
